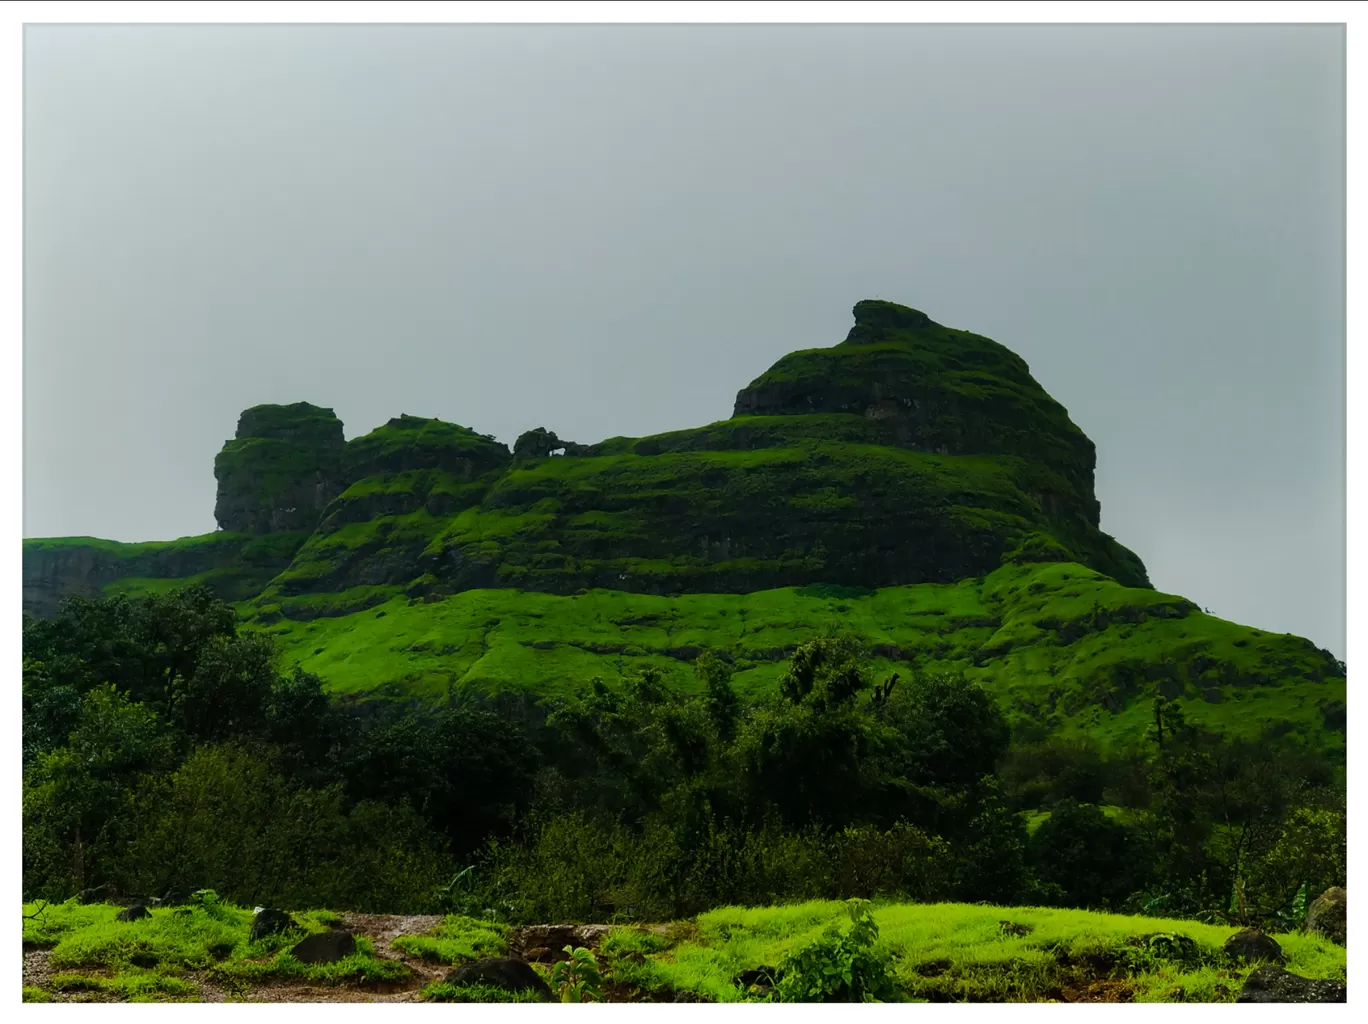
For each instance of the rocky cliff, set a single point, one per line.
(908, 453)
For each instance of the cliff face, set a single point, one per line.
(280, 471)
(934, 389)
(908, 453)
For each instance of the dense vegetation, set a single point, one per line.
(163, 745)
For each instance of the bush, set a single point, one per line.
(839, 968)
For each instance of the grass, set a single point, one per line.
(455, 940)
(441, 992)
(1064, 649)
(958, 952)
(150, 958)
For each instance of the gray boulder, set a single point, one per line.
(134, 913)
(1271, 984)
(1327, 915)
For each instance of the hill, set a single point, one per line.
(912, 484)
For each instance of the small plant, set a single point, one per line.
(1293, 917)
(455, 896)
(578, 980)
(840, 968)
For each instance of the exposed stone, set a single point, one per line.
(134, 913)
(271, 922)
(107, 893)
(555, 937)
(1272, 984)
(325, 947)
(1252, 944)
(1328, 915)
(501, 972)
(540, 443)
(281, 469)
(176, 896)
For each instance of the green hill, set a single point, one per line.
(912, 484)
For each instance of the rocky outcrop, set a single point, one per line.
(844, 465)
(1328, 915)
(938, 390)
(282, 468)
(409, 444)
(539, 443)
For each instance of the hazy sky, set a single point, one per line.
(611, 229)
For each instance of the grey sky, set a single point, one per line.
(611, 229)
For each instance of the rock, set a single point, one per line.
(281, 469)
(107, 893)
(271, 922)
(325, 947)
(176, 896)
(134, 913)
(539, 442)
(1327, 915)
(1272, 984)
(555, 937)
(505, 972)
(1252, 944)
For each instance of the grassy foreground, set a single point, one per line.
(940, 952)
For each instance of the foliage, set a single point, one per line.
(457, 938)
(847, 967)
(577, 980)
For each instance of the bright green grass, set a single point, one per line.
(147, 958)
(1063, 648)
(132, 985)
(456, 939)
(441, 992)
(961, 952)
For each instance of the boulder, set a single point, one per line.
(1327, 915)
(271, 922)
(107, 893)
(134, 913)
(1251, 945)
(176, 896)
(504, 972)
(1272, 984)
(553, 938)
(325, 947)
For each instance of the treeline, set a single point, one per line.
(164, 747)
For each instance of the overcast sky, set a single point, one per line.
(610, 230)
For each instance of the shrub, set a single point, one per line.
(840, 968)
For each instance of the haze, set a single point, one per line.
(609, 230)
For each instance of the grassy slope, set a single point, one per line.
(958, 952)
(1059, 644)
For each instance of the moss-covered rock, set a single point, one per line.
(281, 469)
